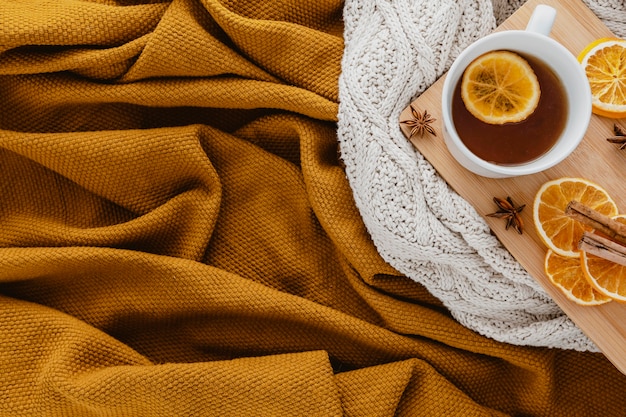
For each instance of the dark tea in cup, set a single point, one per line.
(517, 142)
(543, 135)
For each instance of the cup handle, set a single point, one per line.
(541, 20)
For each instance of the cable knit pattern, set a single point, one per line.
(394, 50)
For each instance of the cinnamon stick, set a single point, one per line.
(602, 247)
(602, 223)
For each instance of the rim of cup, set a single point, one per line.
(517, 41)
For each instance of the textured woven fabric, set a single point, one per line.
(394, 51)
(178, 236)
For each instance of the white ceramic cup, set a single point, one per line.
(534, 41)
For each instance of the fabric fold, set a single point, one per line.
(85, 370)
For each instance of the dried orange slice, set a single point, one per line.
(557, 230)
(567, 275)
(500, 87)
(606, 277)
(604, 62)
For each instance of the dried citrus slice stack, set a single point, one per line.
(558, 231)
(606, 277)
(604, 62)
(567, 274)
(500, 87)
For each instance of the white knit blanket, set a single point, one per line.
(394, 50)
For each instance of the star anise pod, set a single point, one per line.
(508, 211)
(420, 123)
(620, 136)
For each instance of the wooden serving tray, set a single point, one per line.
(595, 159)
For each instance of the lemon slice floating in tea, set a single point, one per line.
(604, 62)
(500, 87)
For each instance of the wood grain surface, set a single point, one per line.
(595, 159)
